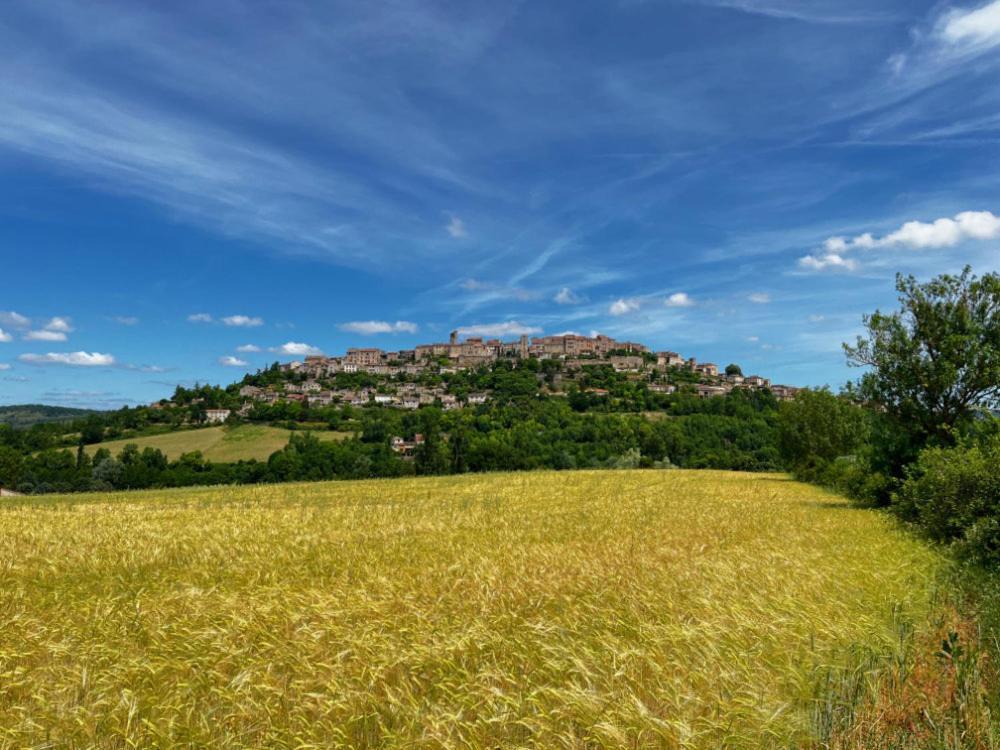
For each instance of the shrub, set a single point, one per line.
(953, 495)
(854, 476)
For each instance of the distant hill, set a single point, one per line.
(25, 415)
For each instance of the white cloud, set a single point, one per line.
(835, 245)
(920, 235)
(829, 261)
(759, 298)
(242, 321)
(371, 327)
(199, 318)
(13, 319)
(456, 228)
(5, 337)
(510, 328)
(753, 339)
(978, 27)
(73, 359)
(4, 366)
(45, 336)
(126, 320)
(565, 296)
(59, 324)
(231, 361)
(679, 299)
(817, 318)
(623, 306)
(297, 349)
(248, 348)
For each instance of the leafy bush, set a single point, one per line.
(854, 476)
(953, 495)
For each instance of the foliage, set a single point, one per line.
(953, 494)
(934, 362)
(824, 438)
(516, 430)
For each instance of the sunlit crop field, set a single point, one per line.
(638, 609)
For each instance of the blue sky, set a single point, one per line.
(188, 194)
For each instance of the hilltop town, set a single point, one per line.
(400, 377)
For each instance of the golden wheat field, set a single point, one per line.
(611, 609)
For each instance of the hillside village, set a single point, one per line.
(400, 376)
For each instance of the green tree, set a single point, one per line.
(936, 360)
(734, 369)
(816, 428)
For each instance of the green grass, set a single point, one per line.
(221, 443)
(639, 609)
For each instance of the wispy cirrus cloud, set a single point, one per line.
(759, 298)
(817, 12)
(199, 318)
(248, 349)
(5, 338)
(200, 165)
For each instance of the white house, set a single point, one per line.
(216, 416)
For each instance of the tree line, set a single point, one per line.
(526, 432)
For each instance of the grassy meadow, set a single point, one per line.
(218, 444)
(591, 609)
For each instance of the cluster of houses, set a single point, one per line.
(407, 396)
(456, 355)
(574, 352)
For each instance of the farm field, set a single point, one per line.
(590, 609)
(218, 444)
